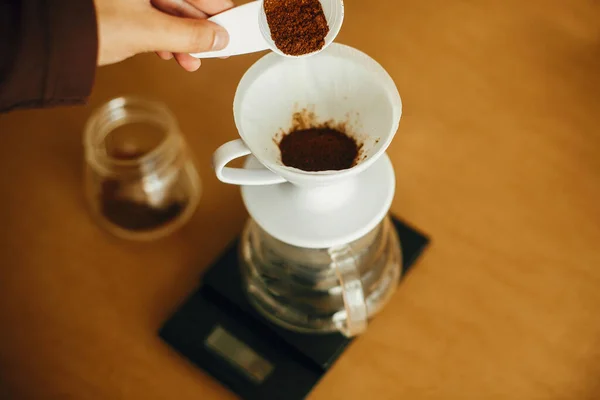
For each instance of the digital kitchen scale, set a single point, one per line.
(219, 331)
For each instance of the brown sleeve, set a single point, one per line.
(48, 51)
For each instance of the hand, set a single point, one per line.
(199, 9)
(130, 27)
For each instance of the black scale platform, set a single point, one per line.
(220, 332)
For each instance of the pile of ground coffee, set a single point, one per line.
(122, 210)
(297, 26)
(319, 149)
(132, 215)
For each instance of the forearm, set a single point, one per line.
(48, 52)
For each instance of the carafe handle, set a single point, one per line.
(346, 269)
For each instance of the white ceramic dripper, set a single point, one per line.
(317, 210)
(249, 31)
(340, 84)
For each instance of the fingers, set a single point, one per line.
(165, 55)
(188, 62)
(200, 9)
(196, 9)
(185, 60)
(179, 8)
(212, 7)
(184, 35)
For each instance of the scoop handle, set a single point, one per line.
(245, 35)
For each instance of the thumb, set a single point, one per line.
(186, 35)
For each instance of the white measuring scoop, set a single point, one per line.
(249, 31)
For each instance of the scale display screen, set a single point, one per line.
(239, 355)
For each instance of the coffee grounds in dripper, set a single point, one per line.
(319, 149)
(297, 27)
(314, 146)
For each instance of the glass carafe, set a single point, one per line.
(321, 290)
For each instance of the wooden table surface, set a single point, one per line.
(497, 157)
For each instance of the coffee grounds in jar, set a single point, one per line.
(297, 26)
(133, 215)
(119, 207)
(319, 149)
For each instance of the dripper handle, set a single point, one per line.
(239, 176)
(245, 35)
(346, 269)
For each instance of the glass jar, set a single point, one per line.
(140, 180)
(321, 290)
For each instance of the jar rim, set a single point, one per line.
(114, 110)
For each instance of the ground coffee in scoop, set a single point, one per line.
(297, 26)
